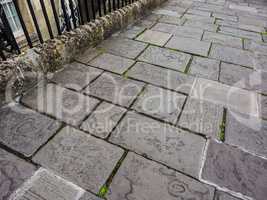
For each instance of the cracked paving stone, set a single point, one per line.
(205, 68)
(115, 88)
(202, 117)
(80, 158)
(25, 130)
(102, 121)
(112, 63)
(171, 20)
(232, 55)
(189, 45)
(13, 173)
(139, 178)
(246, 132)
(75, 76)
(161, 77)
(154, 37)
(238, 171)
(160, 103)
(224, 196)
(47, 185)
(166, 58)
(167, 144)
(122, 47)
(66, 105)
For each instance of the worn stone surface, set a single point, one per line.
(102, 121)
(139, 178)
(260, 62)
(14, 171)
(201, 25)
(161, 77)
(166, 12)
(204, 19)
(225, 17)
(236, 170)
(263, 105)
(260, 47)
(224, 196)
(238, 25)
(75, 76)
(172, 20)
(202, 117)
(131, 32)
(189, 45)
(166, 58)
(115, 88)
(160, 103)
(112, 63)
(164, 143)
(165, 27)
(198, 12)
(84, 160)
(154, 37)
(88, 55)
(205, 68)
(25, 130)
(64, 104)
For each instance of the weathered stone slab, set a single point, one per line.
(260, 47)
(112, 63)
(232, 55)
(174, 147)
(259, 61)
(263, 109)
(142, 23)
(80, 158)
(166, 12)
(224, 196)
(242, 8)
(154, 37)
(217, 2)
(225, 17)
(172, 20)
(166, 58)
(246, 132)
(198, 12)
(160, 103)
(122, 47)
(202, 117)
(139, 178)
(102, 121)
(115, 88)
(131, 32)
(204, 19)
(25, 130)
(189, 45)
(201, 25)
(205, 68)
(88, 55)
(75, 76)
(223, 39)
(64, 104)
(161, 77)
(163, 27)
(235, 170)
(14, 172)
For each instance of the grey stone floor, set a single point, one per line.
(172, 108)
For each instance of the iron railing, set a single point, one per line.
(57, 16)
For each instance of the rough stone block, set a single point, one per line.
(154, 37)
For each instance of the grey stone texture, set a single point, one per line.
(263, 105)
(102, 121)
(225, 17)
(131, 32)
(174, 147)
(75, 76)
(160, 103)
(154, 37)
(166, 12)
(79, 158)
(112, 63)
(14, 171)
(166, 58)
(114, 88)
(25, 130)
(172, 20)
(205, 68)
(66, 105)
(87, 55)
(242, 26)
(139, 178)
(203, 19)
(224, 196)
(198, 12)
(201, 25)
(161, 77)
(189, 45)
(260, 47)
(235, 170)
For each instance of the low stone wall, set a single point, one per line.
(53, 54)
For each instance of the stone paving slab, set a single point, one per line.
(174, 147)
(115, 88)
(260, 47)
(203, 19)
(154, 37)
(75, 76)
(263, 109)
(166, 58)
(205, 68)
(201, 25)
(25, 130)
(131, 32)
(122, 47)
(236, 170)
(189, 45)
(66, 105)
(79, 158)
(160, 103)
(224, 196)
(102, 121)
(172, 20)
(238, 25)
(198, 12)
(88, 55)
(14, 171)
(260, 62)
(202, 117)
(112, 63)
(225, 17)
(144, 23)
(161, 77)
(139, 178)
(164, 27)
(166, 12)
